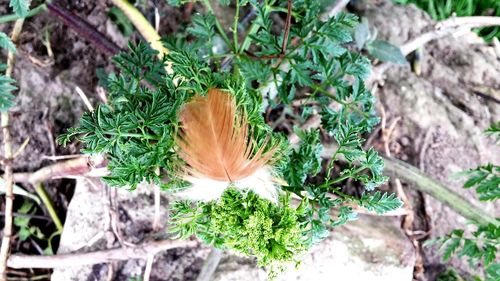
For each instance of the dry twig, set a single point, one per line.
(149, 267)
(80, 166)
(339, 5)
(451, 26)
(412, 175)
(157, 206)
(103, 256)
(7, 142)
(210, 265)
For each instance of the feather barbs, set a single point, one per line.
(218, 148)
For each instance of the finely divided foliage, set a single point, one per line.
(6, 83)
(20, 7)
(315, 69)
(482, 246)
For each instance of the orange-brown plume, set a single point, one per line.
(215, 141)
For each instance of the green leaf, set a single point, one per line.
(177, 3)
(305, 160)
(20, 7)
(361, 33)
(469, 249)
(6, 43)
(385, 51)
(202, 26)
(450, 248)
(121, 21)
(24, 233)
(6, 89)
(494, 131)
(319, 231)
(380, 203)
(300, 72)
(489, 254)
(493, 272)
(254, 70)
(486, 180)
(346, 214)
(19, 191)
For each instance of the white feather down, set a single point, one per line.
(205, 189)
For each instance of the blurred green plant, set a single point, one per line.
(481, 247)
(6, 83)
(121, 21)
(366, 38)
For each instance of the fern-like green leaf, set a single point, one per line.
(20, 7)
(380, 203)
(6, 89)
(6, 43)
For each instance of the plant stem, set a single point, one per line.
(217, 24)
(84, 29)
(143, 26)
(49, 205)
(235, 26)
(132, 135)
(33, 12)
(412, 175)
(288, 24)
(247, 40)
(140, 251)
(333, 97)
(8, 175)
(331, 162)
(210, 265)
(346, 176)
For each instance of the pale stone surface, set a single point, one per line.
(372, 248)
(84, 220)
(85, 230)
(443, 117)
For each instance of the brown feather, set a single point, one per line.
(215, 141)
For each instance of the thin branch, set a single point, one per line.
(451, 26)
(210, 265)
(142, 25)
(84, 98)
(420, 181)
(21, 215)
(145, 28)
(472, 22)
(282, 54)
(288, 24)
(157, 205)
(339, 5)
(148, 268)
(80, 166)
(84, 29)
(33, 12)
(235, 26)
(104, 256)
(218, 25)
(448, 27)
(49, 205)
(7, 143)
